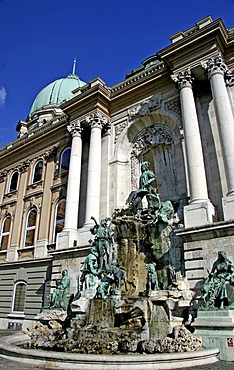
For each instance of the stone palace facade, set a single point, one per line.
(78, 155)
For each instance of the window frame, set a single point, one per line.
(60, 170)
(13, 311)
(33, 181)
(10, 181)
(55, 218)
(6, 233)
(30, 228)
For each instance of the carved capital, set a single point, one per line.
(229, 77)
(75, 129)
(50, 154)
(96, 120)
(3, 175)
(24, 166)
(214, 65)
(183, 79)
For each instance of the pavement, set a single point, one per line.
(6, 364)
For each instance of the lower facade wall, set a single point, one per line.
(35, 273)
(201, 247)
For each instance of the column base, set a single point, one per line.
(217, 330)
(68, 238)
(12, 254)
(41, 248)
(228, 207)
(199, 213)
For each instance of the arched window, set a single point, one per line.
(19, 294)
(30, 228)
(37, 173)
(46, 293)
(14, 181)
(5, 233)
(59, 218)
(64, 160)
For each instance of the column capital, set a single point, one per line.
(97, 120)
(183, 79)
(24, 166)
(214, 65)
(75, 129)
(229, 76)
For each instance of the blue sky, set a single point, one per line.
(39, 40)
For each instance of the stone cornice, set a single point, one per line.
(213, 35)
(34, 134)
(137, 78)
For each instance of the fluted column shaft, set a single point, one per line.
(216, 70)
(96, 122)
(193, 147)
(73, 187)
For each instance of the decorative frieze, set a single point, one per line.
(145, 108)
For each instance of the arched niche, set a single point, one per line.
(157, 138)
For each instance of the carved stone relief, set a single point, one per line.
(146, 107)
(173, 106)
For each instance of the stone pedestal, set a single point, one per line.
(67, 239)
(198, 214)
(228, 207)
(217, 330)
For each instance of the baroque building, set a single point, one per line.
(78, 155)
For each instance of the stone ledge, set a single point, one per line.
(65, 361)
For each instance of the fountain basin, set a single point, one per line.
(9, 348)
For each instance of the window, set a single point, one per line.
(37, 173)
(14, 181)
(46, 293)
(59, 218)
(19, 297)
(64, 160)
(5, 233)
(30, 228)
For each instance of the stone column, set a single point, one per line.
(96, 122)
(216, 71)
(69, 236)
(200, 210)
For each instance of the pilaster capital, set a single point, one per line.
(24, 166)
(50, 154)
(183, 79)
(3, 175)
(214, 65)
(97, 120)
(229, 77)
(75, 129)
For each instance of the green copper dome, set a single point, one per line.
(57, 92)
